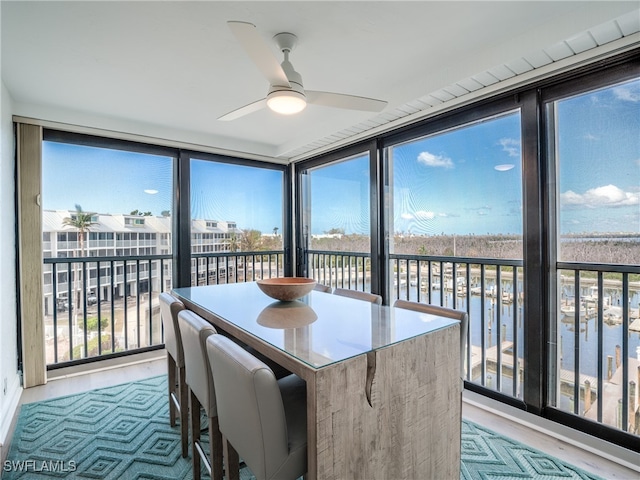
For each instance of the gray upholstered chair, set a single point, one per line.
(366, 296)
(178, 393)
(461, 316)
(195, 331)
(263, 420)
(320, 287)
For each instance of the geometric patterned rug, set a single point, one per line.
(488, 455)
(123, 432)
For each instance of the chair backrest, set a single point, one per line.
(322, 288)
(360, 295)
(250, 408)
(461, 316)
(170, 307)
(195, 330)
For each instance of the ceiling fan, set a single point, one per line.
(286, 93)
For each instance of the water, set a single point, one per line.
(588, 338)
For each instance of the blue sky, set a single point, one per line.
(252, 197)
(469, 181)
(463, 181)
(114, 181)
(340, 196)
(103, 180)
(480, 198)
(599, 150)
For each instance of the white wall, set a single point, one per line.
(10, 388)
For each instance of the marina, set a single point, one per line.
(495, 318)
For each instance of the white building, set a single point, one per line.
(116, 238)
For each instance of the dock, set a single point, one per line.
(612, 388)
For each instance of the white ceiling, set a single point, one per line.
(169, 69)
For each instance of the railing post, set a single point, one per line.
(587, 396)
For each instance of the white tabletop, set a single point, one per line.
(319, 329)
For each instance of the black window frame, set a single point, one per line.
(537, 216)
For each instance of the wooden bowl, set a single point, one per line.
(286, 289)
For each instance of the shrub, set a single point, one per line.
(92, 324)
(92, 347)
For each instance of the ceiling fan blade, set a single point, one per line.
(339, 100)
(242, 111)
(259, 52)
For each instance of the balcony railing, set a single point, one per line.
(491, 292)
(235, 267)
(104, 306)
(596, 375)
(597, 363)
(99, 306)
(340, 269)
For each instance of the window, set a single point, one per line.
(336, 206)
(85, 211)
(598, 164)
(458, 193)
(137, 222)
(594, 150)
(251, 200)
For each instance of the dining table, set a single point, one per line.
(384, 393)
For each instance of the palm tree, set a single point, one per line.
(81, 221)
(233, 242)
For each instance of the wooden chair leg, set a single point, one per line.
(215, 449)
(231, 461)
(184, 411)
(195, 434)
(171, 383)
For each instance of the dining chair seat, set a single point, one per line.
(358, 294)
(170, 307)
(461, 316)
(263, 420)
(195, 331)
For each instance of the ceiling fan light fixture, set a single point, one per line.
(286, 102)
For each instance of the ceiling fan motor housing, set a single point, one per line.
(284, 99)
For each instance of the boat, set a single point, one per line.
(592, 297)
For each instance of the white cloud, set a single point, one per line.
(590, 136)
(505, 167)
(406, 216)
(431, 160)
(606, 196)
(627, 93)
(422, 215)
(511, 146)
